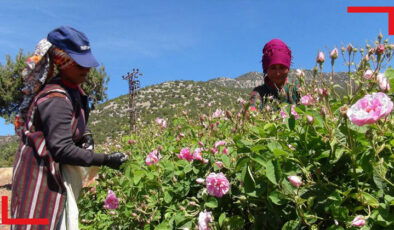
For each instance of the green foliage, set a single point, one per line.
(8, 150)
(346, 170)
(10, 85)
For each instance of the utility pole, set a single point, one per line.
(134, 85)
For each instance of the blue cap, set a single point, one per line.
(75, 43)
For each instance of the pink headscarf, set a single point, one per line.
(276, 52)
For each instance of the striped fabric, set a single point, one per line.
(37, 186)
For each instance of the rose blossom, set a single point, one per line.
(310, 119)
(334, 53)
(370, 109)
(350, 48)
(225, 151)
(161, 122)
(358, 221)
(307, 100)
(152, 158)
(320, 57)
(294, 113)
(200, 180)
(219, 164)
(217, 184)
(197, 154)
(111, 202)
(300, 73)
(220, 143)
(383, 82)
(368, 74)
(380, 49)
(185, 154)
(218, 113)
(295, 181)
(283, 114)
(204, 218)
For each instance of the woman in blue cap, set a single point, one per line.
(55, 140)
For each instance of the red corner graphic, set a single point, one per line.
(21, 221)
(375, 9)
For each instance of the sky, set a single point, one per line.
(190, 39)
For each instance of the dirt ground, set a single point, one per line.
(5, 190)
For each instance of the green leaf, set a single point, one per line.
(257, 148)
(167, 197)
(280, 152)
(370, 200)
(248, 180)
(222, 218)
(273, 171)
(138, 174)
(277, 198)
(226, 160)
(274, 145)
(290, 225)
(270, 128)
(291, 122)
(212, 202)
(236, 222)
(163, 226)
(241, 163)
(258, 159)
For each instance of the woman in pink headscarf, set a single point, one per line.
(276, 61)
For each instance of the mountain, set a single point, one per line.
(166, 100)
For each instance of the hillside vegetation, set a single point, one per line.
(168, 100)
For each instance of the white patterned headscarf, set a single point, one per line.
(38, 71)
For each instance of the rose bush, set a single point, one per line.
(278, 169)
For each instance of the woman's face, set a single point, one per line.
(75, 74)
(277, 73)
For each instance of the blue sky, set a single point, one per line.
(190, 39)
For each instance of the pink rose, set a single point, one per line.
(334, 53)
(358, 221)
(152, 158)
(283, 114)
(225, 151)
(111, 202)
(350, 48)
(368, 74)
(131, 142)
(310, 119)
(252, 108)
(300, 73)
(219, 164)
(383, 82)
(370, 109)
(295, 181)
(204, 218)
(307, 100)
(220, 143)
(294, 113)
(380, 49)
(320, 58)
(214, 150)
(161, 122)
(197, 154)
(217, 184)
(200, 180)
(218, 113)
(185, 154)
